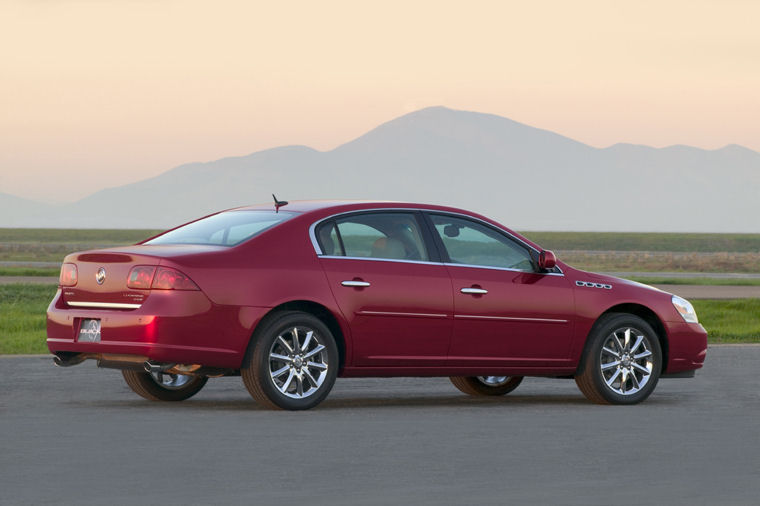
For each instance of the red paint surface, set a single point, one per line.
(411, 320)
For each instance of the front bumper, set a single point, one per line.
(687, 346)
(173, 326)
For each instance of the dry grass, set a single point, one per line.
(661, 261)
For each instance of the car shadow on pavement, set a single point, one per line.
(353, 402)
(449, 401)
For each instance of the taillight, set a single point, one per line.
(150, 277)
(141, 276)
(68, 275)
(170, 279)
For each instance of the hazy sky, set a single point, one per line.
(97, 93)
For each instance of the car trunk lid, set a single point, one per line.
(102, 280)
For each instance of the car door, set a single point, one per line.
(392, 289)
(505, 313)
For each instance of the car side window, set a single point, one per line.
(471, 243)
(383, 235)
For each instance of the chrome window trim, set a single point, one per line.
(372, 259)
(318, 250)
(472, 266)
(104, 305)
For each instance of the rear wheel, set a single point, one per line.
(293, 362)
(486, 385)
(622, 361)
(162, 386)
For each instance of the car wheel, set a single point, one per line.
(162, 386)
(292, 363)
(622, 361)
(486, 385)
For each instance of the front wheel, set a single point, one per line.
(162, 386)
(486, 385)
(622, 361)
(293, 362)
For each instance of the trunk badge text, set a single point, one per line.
(100, 276)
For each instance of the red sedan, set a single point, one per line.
(291, 296)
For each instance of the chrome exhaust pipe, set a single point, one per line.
(155, 367)
(69, 360)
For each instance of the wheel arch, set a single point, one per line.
(642, 312)
(313, 308)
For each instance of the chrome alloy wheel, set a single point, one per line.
(298, 362)
(494, 381)
(626, 361)
(171, 381)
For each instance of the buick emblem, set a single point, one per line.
(100, 276)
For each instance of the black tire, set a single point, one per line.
(145, 385)
(474, 385)
(620, 382)
(300, 384)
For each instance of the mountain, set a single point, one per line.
(15, 210)
(526, 177)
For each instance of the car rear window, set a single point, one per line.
(224, 229)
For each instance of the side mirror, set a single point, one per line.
(547, 260)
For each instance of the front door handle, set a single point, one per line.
(354, 283)
(474, 291)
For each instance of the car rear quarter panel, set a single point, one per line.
(277, 267)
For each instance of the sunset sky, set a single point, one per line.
(97, 93)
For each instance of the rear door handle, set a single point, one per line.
(354, 283)
(474, 291)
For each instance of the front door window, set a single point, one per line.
(470, 243)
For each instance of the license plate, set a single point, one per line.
(89, 331)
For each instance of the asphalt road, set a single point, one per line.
(78, 436)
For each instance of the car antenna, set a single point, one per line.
(278, 204)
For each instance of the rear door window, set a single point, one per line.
(381, 235)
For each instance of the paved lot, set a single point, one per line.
(712, 292)
(79, 436)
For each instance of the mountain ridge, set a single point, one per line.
(527, 177)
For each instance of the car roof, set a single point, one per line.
(312, 206)
(305, 206)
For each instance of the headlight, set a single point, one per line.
(685, 309)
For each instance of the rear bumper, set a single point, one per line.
(687, 347)
(171, 326)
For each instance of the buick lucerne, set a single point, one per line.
(291, 296)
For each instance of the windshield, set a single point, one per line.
(224, 229)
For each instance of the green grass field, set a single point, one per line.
(23, 306)
(730, 321)
(29, 271)
(22, 317)
(52, 244)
